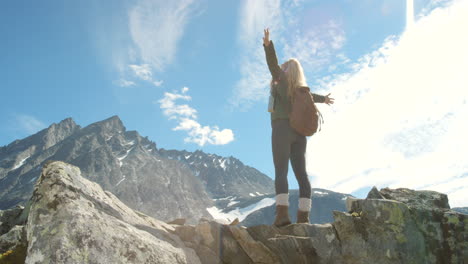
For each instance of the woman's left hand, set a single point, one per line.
(329, 100)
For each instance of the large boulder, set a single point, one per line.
(72, 220)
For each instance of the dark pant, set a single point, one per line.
(287, 145)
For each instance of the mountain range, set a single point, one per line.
(165, 184)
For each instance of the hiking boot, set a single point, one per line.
(303, 217)
(282, 216)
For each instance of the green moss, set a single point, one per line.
(453, 219)
(401, 238)
(396, 214)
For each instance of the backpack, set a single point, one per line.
(304, 117)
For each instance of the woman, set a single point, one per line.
(287, 144)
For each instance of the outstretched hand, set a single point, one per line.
(329, 100)
(266, 38)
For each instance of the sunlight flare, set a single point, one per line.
(409, 13)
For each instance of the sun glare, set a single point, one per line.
(409, 13)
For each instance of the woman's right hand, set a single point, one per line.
(266, 38)
(329, 100)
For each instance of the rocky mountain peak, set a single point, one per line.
(109, 126)
(67, 122)
(58, 132)
(14, 156)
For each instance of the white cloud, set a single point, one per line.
(124, 83)
(29, 124)
(156, 26)
(400, 117)
(314, 46)
(155, 29)
(158, 83)
(142, 71)
(145, 73)
(186, 117)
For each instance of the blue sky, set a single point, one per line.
(191, 75)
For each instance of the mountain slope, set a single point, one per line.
(463, 210)
(20, 161)
(121, 161)
(223, 177)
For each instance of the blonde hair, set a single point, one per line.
(294, 76)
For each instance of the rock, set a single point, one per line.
(10, 218)
(213, 243)
(72, 220)
(178, 221)
(257, 251)
(385, 231)
(13, 245)
(374, 194)
(235, 222)
(419, 230)
(14, 238)
(417, 199)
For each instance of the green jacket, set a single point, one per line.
(279, 88)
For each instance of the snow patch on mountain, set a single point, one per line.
(231, 198)
(223, 164)
(21, 163)
(240, 213)
(319, 192)
(231, 203)
(131, 143)
(123, 178)
(33, 179)
(123, 157)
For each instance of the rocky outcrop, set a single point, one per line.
(13, 242)
(73, 220)
(405, 227)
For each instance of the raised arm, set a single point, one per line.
(323, 99)
(270, 54)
